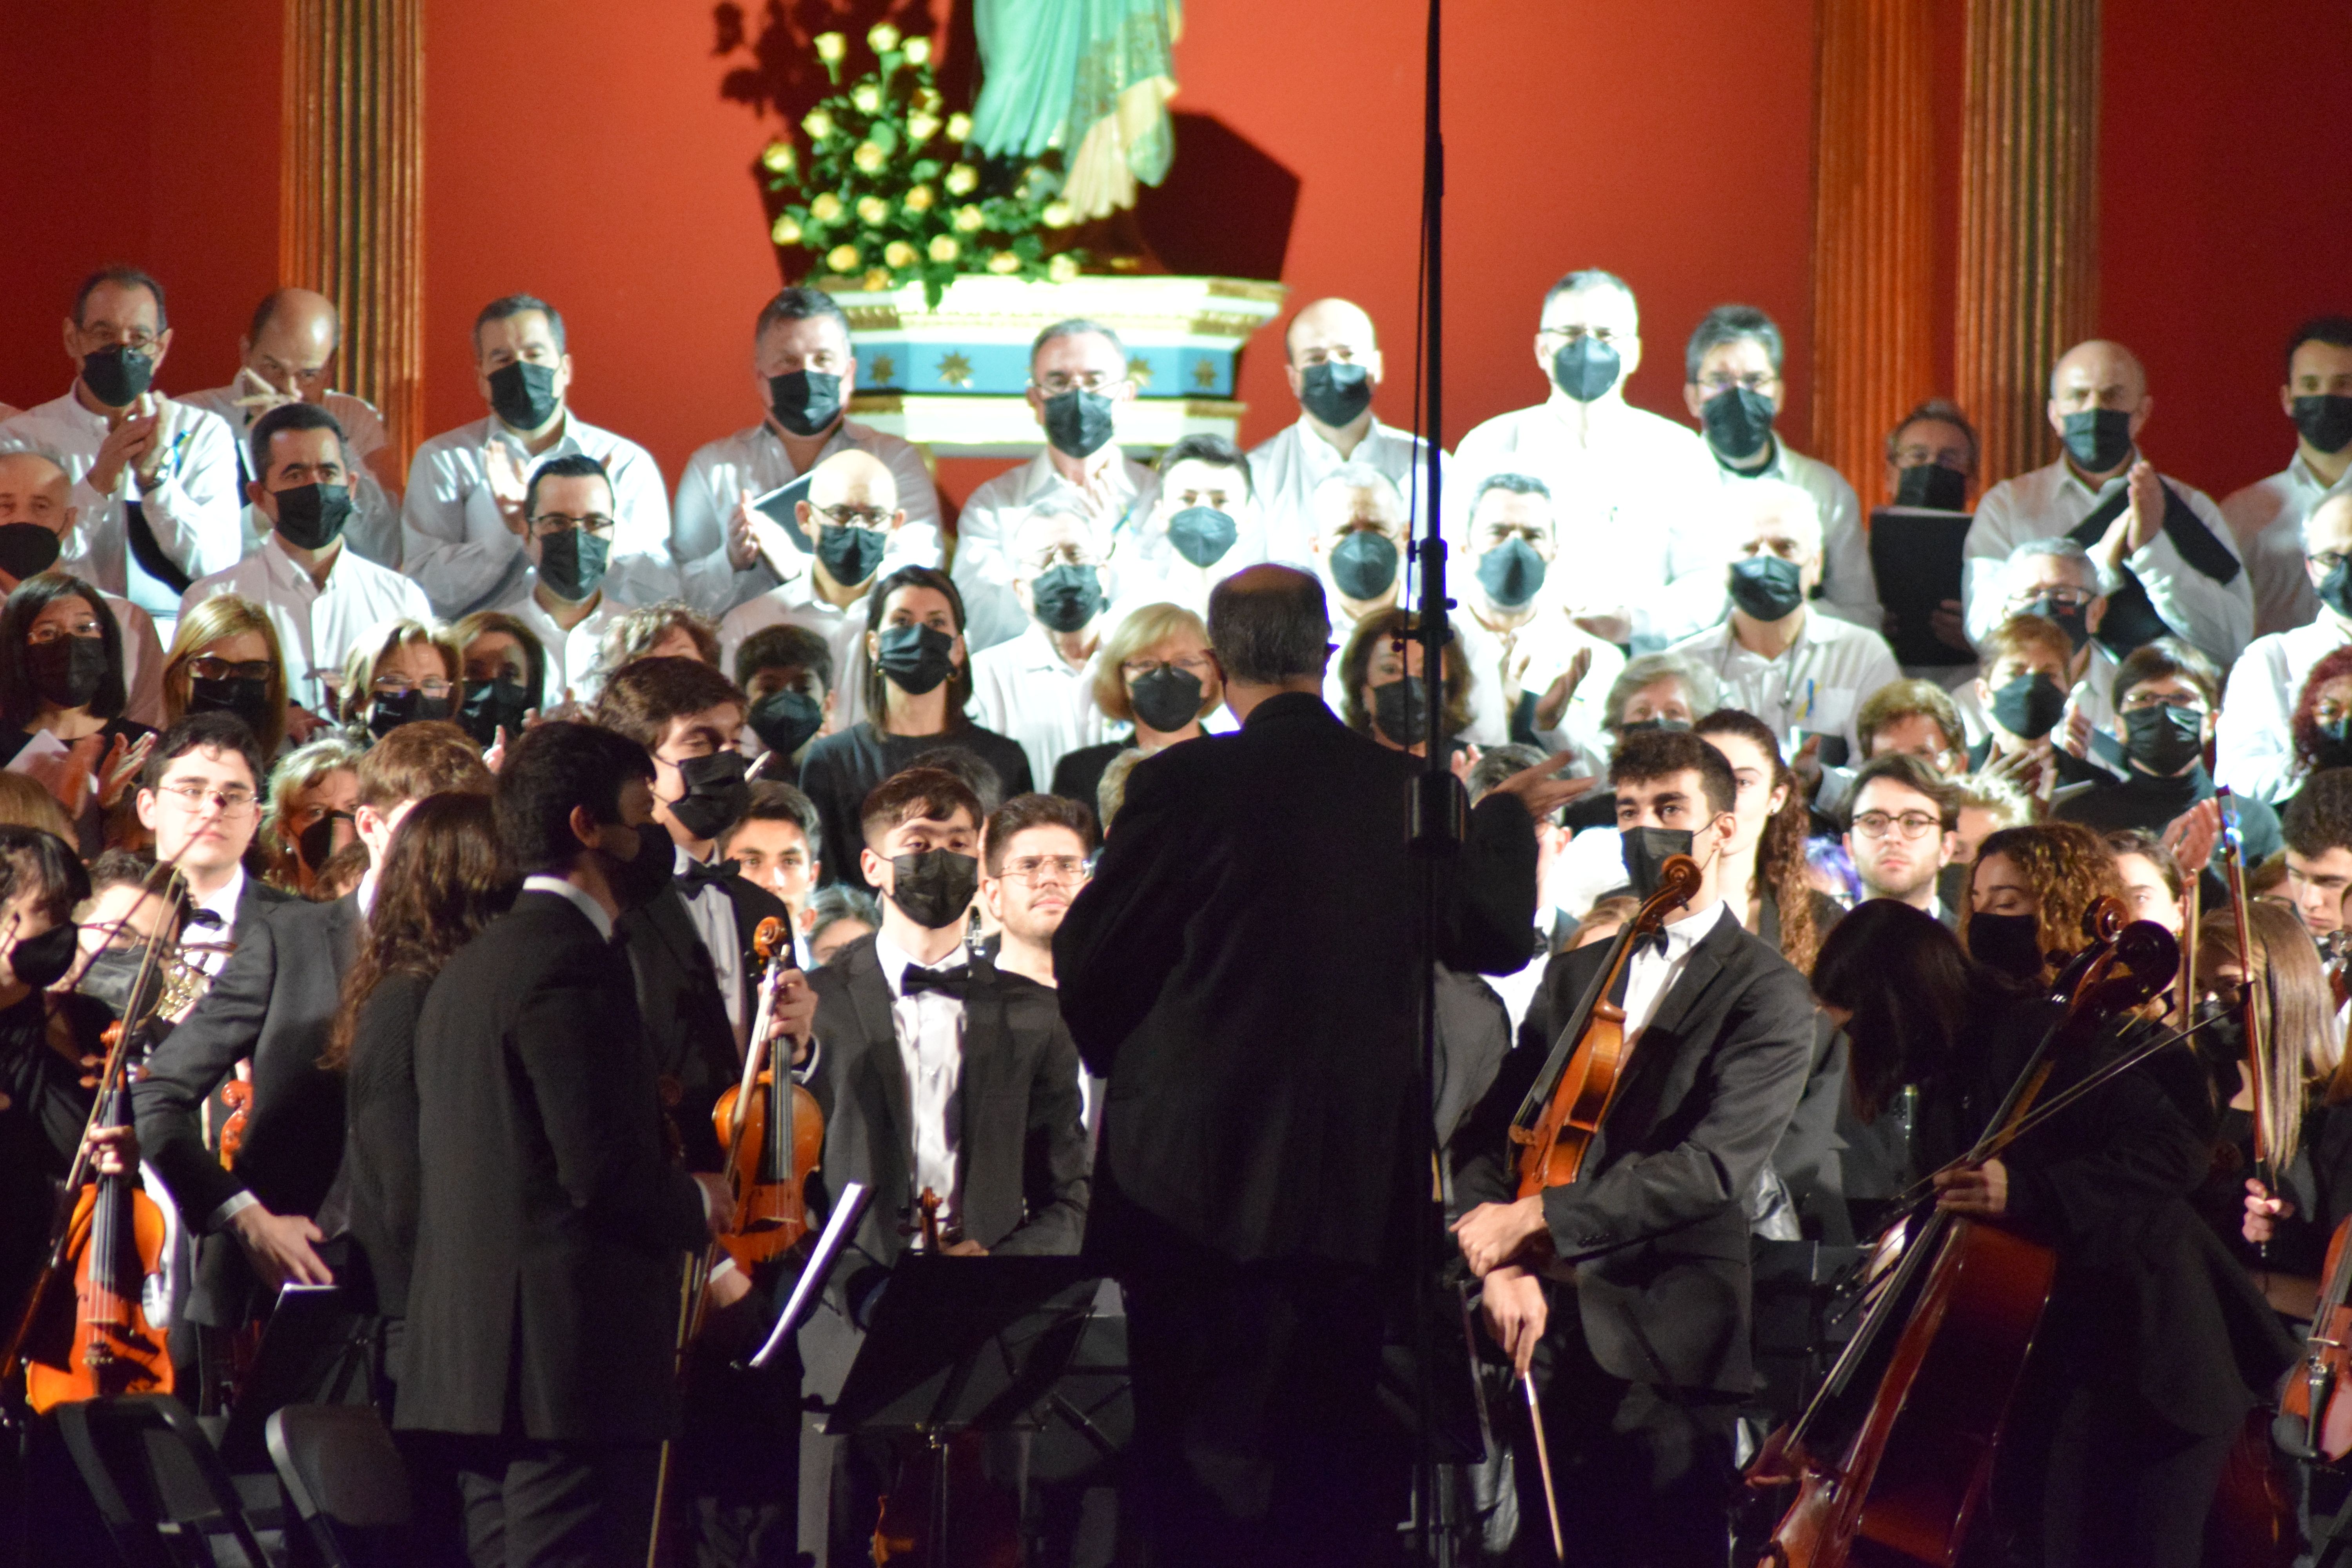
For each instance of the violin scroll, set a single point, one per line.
(767, 937)
(1678, 882)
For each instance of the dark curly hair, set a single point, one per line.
(1781, 851)
(2070, 868)
(2304, 727)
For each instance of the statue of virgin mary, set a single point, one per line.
(1090, 77)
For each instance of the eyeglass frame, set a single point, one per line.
(1903, 820)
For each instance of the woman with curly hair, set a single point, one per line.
(2028, 893)
(1385, 697)
(2322, 725)
(1765, 875)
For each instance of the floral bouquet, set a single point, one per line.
(886, 193)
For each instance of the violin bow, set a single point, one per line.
(2259, 1063)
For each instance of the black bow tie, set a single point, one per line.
(701, 874)
(203, 918)
(950, 981)
(1651, 941)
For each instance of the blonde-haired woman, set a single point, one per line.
(313, 793)
(410, 671)
(1156, 673)
(225, 658)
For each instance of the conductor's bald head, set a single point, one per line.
(1269, 628)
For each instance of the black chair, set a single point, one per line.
(345, 1480)
(161, 1490)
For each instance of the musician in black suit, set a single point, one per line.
(1642, 1379)
(274, 1004)
(1243, 970)
(936, 1071)
(551, 1227)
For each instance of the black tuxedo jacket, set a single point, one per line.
(1021, 1158)
(1242, 969)
(274, 1002)
(1657, 1222)
(551, 1223)
(685, 1016)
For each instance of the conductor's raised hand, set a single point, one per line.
(1539, 791)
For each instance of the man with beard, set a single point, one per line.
(1038, 856)
(1900, 831)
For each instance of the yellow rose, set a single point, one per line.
(967, 220)
(1063, 269)
(869, 158)
(898, 253)
(918, 199)
(872, 209)
(1057, 215)
(818, 124)
(843, 258)
(883, 36)
(827, 208)
(961, 179)
(877, 280)
(958, 127)
(919, 51)
(1005, 261)
(866, 97)
(831, 47)
(927, 99)
(777, 158)
(944, 248)
(922, 128)
(787, 231)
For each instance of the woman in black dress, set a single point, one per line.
(61, 700)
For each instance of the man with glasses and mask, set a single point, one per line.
(803, 374)
(1331, 357)
(1637, 494)
(2172, 555)
(1931, 462)
(852, 515)
(2254, 747)
(155, 479)
(36, 492)
(2266, 517)
(567, 597)
(1357, 541)
(1038, 689)
(1901, 832)
(1733, 388)
(1533, 672)
(465, 516)
(2057, 580)
(322, 597)
(1078, 379)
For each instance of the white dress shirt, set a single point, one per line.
(754, 459)
(461, 549)
(570, 655)
(1849, 586)
(1639, 510)
(985, 529)
(193, 510)
(207, 945)
(1815, 686)
(1145, 567)
(929, 1026)
(714, 922)
(317, 628)
(842, 628)
(1286, 470)
(1651, 975)
(2253, 744)
(585, 905)
(1024, 689)
(1551, 640)
(2219, 617)
(2266, 523)
(374, 528)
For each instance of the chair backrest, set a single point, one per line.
(160, 1489)
(344, 1477)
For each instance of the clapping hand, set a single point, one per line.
(1552, 706)
(509, 483)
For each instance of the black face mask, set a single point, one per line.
(26, 548)
(851, 555)
(2075, 620)
(805, 401)
(1400, 710)
(2010, 943)
(1646, 852)
(2335, 588)
(311, 517)
(1737, 421)
(523, 393)
(2332, 745)
(1585, 368)
(717, 793)
(1079, 422)
(2325, 420)
(1201, 535)
(639, 881)
(111, 975)
(1635, 726)
(491, 706)
(40, 962)
(2164, 739)
(2220, 1031)
(315, 842)
(2099, 439)
(389, 710)
(1933, 486)
(933, 888)
(786, 720)
(116, 376)
(915, 658)
(1512, 573)
(246, 696)
(1166, 701)
(572, 564)
(66, 671)
(2030, 706)
(1335, 392)
(1364, 565)
(1067, 597)
(1767, 587)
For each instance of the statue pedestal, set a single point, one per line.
(953, 379)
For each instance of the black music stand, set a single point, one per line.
(964, 1344)
(315, 1350)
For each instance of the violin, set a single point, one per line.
(2319, 1397)
(773, 1131)
(237, 1095)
